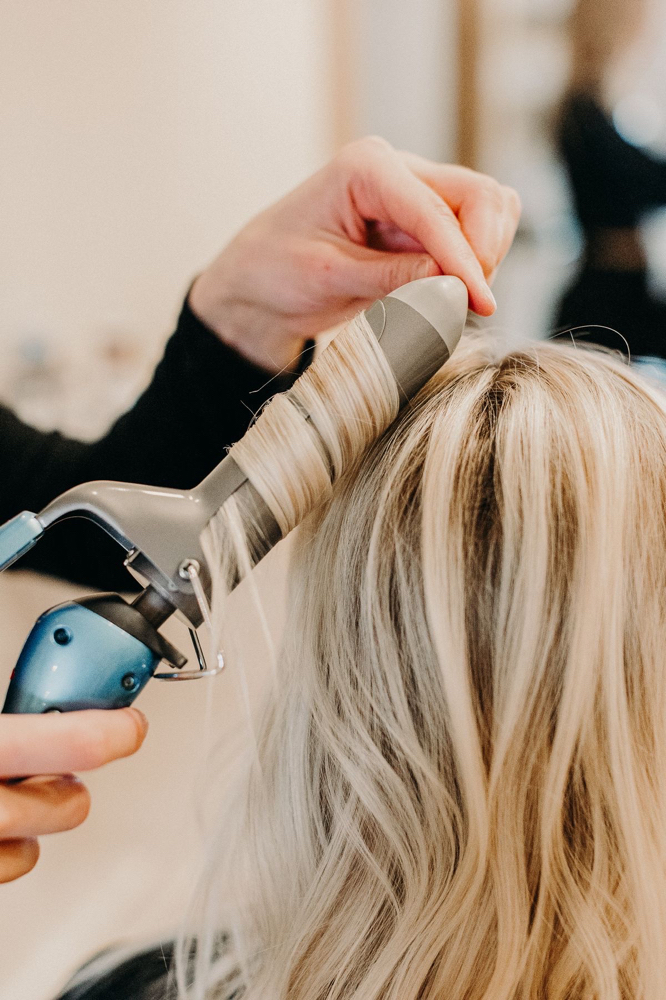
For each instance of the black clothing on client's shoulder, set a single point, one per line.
(145, 976)
(614, 185)
(201, 400)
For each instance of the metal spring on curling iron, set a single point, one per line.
(191, 571)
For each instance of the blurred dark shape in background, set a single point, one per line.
(614, 184)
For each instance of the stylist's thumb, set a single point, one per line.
(381, 272)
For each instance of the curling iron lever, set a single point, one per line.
(100, 651)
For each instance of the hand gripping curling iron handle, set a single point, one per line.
(98, 652)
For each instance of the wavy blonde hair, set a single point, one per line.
(459, 787)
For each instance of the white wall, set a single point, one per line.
(137, 136)
(405, 64)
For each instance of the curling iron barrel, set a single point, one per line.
(100, 651)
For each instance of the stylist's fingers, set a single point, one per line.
(369, 274)
(383, 188)
(506, 239)
(511, 219)
(490, 224)
(72, 741)
(17, 858)
(488, 211)
(42, 805)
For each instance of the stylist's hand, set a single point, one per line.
(371, 220)
(51, 746)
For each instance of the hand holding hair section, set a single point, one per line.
(338, 407)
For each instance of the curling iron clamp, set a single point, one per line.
(100, 651)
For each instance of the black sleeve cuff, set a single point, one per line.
(214, 394)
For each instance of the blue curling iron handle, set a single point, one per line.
(74, 657)
(98, 652)
(17, 537)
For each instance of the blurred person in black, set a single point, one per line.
(614, 184)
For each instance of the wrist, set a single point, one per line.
(246, 326)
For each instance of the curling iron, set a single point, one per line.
(100, 651)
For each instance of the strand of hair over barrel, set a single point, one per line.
(304, 440)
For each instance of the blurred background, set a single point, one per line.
(136, 139)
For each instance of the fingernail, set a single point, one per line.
(141, 719)
(491, 296)
(68, 780)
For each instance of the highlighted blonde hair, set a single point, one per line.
(459, 789)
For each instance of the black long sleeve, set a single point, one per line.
(201, 400)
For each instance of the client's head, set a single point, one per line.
(460, 784)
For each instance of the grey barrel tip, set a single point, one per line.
(418, 327)
(442, 300)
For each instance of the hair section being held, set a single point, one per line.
(302, 442)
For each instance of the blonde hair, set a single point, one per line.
(459, 787)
